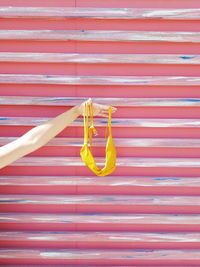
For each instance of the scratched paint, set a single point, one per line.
(123, 162)
(108, 237)
(99, 122)
(121, 200)
(124, 102)
(100, 254)
(146, 219)
(98, 80)
(103, 13)
(96, 240)
(91, 35)
(119, 142)
(99, 58)
(93, 181)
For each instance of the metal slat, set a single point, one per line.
(108, 240)
(99, 222)
(100, 200)
(120, 102)
(153, 166)
(92, 35)
(100, 58)
(119, 142)
(121, 162)
(110, 181)
(106, 185)
(101, 204)
(98, 80)
(127, 147)
(108, 257)
(100, 13)
(101, 122)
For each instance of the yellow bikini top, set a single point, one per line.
(86, 153)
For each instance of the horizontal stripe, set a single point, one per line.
(101, 204)
(100, 200)
(101, 122)
(103, 13)
(92, 35)
(123, 102)
(100, 218)
(108, 257)
(100, 58)
(123, 162)
(99, 240)
(110, 181)
(102, 236)
(119, 142)
(98, 80)
(87, 185)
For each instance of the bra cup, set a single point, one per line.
(87, 157)
(110, 158)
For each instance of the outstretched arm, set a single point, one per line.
(41, 134)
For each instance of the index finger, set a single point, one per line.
(105, 107)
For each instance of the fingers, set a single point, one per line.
(88, 101)
(105, 110)
(100, 109)
(114, 109)
(105, 107)
(103, 115)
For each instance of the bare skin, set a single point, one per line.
(41, 134)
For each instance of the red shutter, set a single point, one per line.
(139, 56)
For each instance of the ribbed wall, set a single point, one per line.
(139, 56)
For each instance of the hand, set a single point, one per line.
(99, 110)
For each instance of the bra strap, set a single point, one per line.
(85, 124)
(109, 122)
(92, 129)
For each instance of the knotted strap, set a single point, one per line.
(92, 130)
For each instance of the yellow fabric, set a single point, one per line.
(86, 153)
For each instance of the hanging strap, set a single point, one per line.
(85, 124)
(108, 128)
(92, 129)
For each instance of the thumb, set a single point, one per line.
(89, 101)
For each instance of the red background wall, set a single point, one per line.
(53, 209)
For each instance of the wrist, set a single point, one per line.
(77, 110)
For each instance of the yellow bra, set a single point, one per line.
(86, 153)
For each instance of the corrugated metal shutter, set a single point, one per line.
(140, 56)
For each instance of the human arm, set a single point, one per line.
(41, 134)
